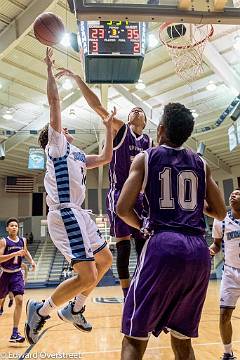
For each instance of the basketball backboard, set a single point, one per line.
(185, 11)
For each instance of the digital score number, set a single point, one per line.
(114, 37)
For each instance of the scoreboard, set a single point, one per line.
(114, 37)
(112, 51)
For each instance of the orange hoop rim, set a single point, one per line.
(167, 23)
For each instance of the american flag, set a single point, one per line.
(19, 184)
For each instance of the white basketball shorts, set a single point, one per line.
(75, 234)
(230, 287)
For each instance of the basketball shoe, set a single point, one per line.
(16, 338)
(227, 356)
(76, 318)
(34, 322)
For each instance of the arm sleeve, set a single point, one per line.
(57, 143)
(217, 229)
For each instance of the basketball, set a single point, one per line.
(176, 31)
(48, 29)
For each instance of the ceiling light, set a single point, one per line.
(140, 85)
(152, 41)
(66, 40)
(211, 86)
(7, 116)
(0, 85)
(195, 114)
(236, 44)
(67, 85)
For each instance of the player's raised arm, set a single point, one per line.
(91, 98)
(214, 206)
(52, 93)
(130, 192)
(105, 156)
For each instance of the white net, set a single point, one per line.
(186, 44)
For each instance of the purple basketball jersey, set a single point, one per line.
(123, 155)
(11, 247)
(175, 190)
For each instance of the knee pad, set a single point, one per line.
(123, 255)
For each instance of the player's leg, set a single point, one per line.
(11, 297)
(225, 326)
(229, 294)
(38, 312)
(182, 348)
(121, 232)
(133, 349)
(2, 301)
(16, 287)
(123, 245)
(3, 289)
(16, 337)
(68, 232)
(103, 260)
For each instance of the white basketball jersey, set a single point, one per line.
(65, 176)
(229, 228)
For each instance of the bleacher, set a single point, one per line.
(43, 258)
(56, 268)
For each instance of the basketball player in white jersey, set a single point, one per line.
(71, 228)
(228, 231)
(129, 140)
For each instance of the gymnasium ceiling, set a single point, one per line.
(23, 88)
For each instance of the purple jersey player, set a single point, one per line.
(169, 286)
(129, 141)
(12, 250)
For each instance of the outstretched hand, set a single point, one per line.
(49, 57)
(64, 72)
(107, 121)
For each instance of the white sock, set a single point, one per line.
(79, 302)
(228, 348)
(47, 307)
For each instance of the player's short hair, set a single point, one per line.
(178, 122)
(12, 219)
(43, 137)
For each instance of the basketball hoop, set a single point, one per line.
(185, 44)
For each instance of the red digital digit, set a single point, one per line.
(94, 33)
(136, 48)
(94, 46)
(101, 33)
(130, 33)
(135, 34)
